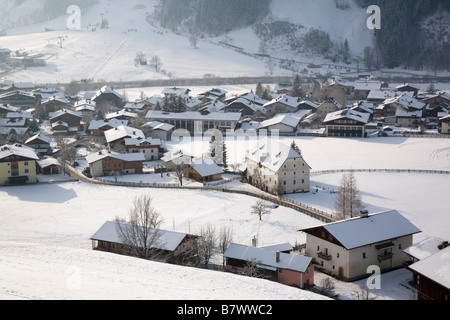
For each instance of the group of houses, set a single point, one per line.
(347, 250)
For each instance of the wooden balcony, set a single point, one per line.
(384, 256)
(324, 256)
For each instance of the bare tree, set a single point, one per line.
(140, 235)
(67, 152)
(156, 62)
(363, 294)
(348, 202)
(261, 208)
(206, 243)
(327, 286)
(225, 239)
(251, 269)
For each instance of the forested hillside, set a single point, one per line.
(212, 17)
(414, 33)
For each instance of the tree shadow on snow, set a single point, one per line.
(49, 193)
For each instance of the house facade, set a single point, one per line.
(150, 148)
(277, 168)
(69, 121)
(444, 124)
(103, 163)
(348, 248)
(346, 123)
(203, 171)
(17, 165)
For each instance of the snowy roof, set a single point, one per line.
(362, 231)
(121, 113)
(424, 248)
(127, 157)
(9, 108)
(167, 240)
(17, 150)
(367, 85)
(41, 137)
(267, 258)
(140, 141)
(123, 132)
(285, 119)
(406, 101)
(292, 102)
(114, 123)
(206, 168)
(347, 114)
(61, 112)
(105, 90)
(134, 105)
(400, 112)
(157, 125)
(279, 247)
(435, 267)
(175, 91)
(272, 154)
(47, 162)
(309, 103)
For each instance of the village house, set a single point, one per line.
(389, 107)
(99, 127)
(289, 269)
(327, 107)
(104, 163)
(115, 138)
(347, 248)
(5, 55)
(277, 168)
(17, 165)
(282, 104)
(408, 88)
(408, 119)
(109, 97)
(214, 94)
(121, 115)
(151, 148)
(49, 166)
(439, 97)
(57, 102)
(170, 244)
(244, 107)
(203, 171)
(430, 265)
(362, 88)
(158, 130)
(20, 99)
(66, 121)
(86, 107)
(174, 158)
(346, 123)
(284, 123)
(40, 143)
(444, 125)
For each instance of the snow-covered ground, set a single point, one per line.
(45, 229)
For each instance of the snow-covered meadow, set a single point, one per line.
(45, 229)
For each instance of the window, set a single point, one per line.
(295, 182)
(337, 255)
(318, 248)
(26, 163)
(27, 171)
(364, 255)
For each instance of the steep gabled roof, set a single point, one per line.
(167, 240)
(362, 231)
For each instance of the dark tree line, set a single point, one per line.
(402, 40)
(212, 17)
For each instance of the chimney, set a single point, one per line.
(277, 256)
(364, 213)
(254, 241)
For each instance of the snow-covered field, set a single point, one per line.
(45, 229)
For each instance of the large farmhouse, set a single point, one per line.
(347, 248)
(170, 244)
(17, 165)
(104, 163)
(277, 168)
